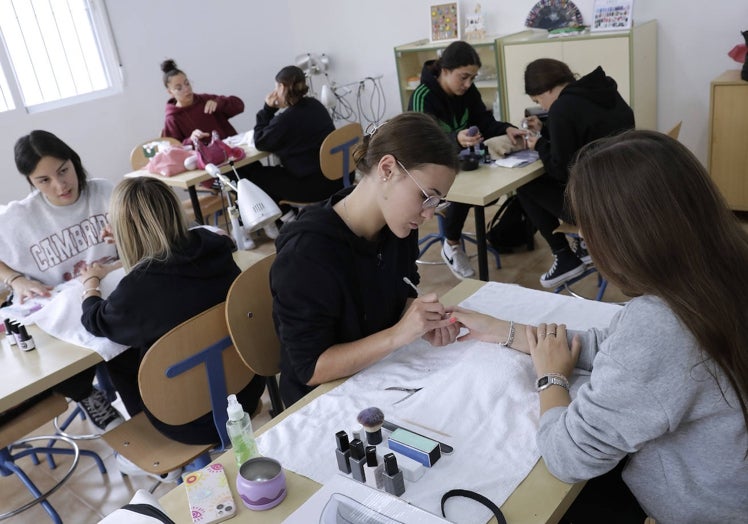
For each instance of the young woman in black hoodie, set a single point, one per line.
(579, 111)
(340, 302)
(448, 92)
(172, 274)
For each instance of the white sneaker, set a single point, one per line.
(457, 260)
(127, 467)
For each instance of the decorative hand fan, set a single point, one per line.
(552, 14)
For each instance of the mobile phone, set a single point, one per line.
(209, 495)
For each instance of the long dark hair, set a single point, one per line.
(294, 81)
(457, 54)
(170, 69)
(544, 74)
(29, 149)
(413, 138)
(656, 224)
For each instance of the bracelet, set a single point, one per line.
(89, 278)
(96, 289)
(510, 338)
(9, 280)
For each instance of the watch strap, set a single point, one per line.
(552, 379)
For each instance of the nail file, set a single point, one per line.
(445, 449)
(417, 447)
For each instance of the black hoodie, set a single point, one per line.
(585, 110)
(330, 287)
(453, 113)
(152, 299)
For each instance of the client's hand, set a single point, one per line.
(502, 145)
(198, 134)
(479, 326)
(26, 288)
(549, 349)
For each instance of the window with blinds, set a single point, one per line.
(56, 52)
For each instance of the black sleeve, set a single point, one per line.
(482, 117)
(270, 131)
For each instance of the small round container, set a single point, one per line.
(261, 483)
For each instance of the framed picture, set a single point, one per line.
(445, 22)
(612, 15)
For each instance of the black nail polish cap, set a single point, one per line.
(390, 464)
(357, 449)
(342, 439)
(371, 456)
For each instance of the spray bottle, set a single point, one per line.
(239, 428)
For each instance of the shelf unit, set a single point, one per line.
(409, 60)
(629, 57)
(728, 135)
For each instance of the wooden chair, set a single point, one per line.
(249, 315)
(38, 412)
(211, 202)
(336, 153)
(675, 131)
(336, 158)
(184, 375)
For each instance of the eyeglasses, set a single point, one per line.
(429, 201)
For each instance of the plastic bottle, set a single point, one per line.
(239, 428)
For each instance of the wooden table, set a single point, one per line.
(540, 498)
(189, 179)
(27, 373)
(483, 186)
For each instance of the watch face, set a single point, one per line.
(542, 381)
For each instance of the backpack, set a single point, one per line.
(510, 228)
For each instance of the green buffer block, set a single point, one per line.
(421, 449)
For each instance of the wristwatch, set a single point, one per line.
(552, 379)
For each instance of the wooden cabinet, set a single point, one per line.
(409, 60)
(629, 57)
(728, 137)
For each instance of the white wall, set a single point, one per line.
(232, 47)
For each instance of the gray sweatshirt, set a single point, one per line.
(652, 396)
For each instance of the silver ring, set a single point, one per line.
(550, 334)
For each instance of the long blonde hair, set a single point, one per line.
(147, 221)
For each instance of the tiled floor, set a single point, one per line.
(88, 495)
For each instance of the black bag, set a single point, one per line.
(510, 228)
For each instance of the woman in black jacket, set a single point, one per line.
(295, 135)
(172, 274)
(579, 111)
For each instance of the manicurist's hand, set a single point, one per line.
(465, 140)
(98, 270)
(425, 314)
(442, 336)
(550, 350)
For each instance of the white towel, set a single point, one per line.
(60, 316)
(491, 416)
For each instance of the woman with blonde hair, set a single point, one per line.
(667, 400)
(172, 274)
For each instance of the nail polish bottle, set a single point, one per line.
(9, 336)
(358, 460)
(343, 452)
(25, 341)
(392, 477)
(373, 470)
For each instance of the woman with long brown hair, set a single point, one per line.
(668, 394)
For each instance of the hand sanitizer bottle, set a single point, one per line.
(239, 428)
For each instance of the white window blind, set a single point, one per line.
(57, 50)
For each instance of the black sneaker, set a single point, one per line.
(565, 266)
(100, 411)
(579, 247)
